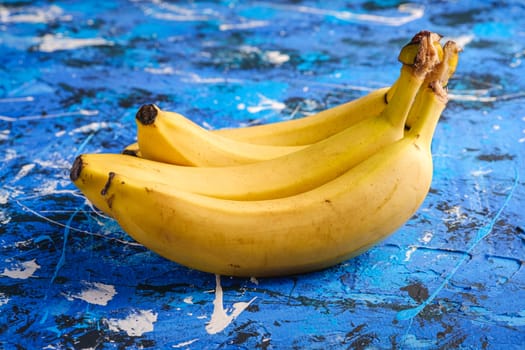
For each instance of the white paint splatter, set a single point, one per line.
(427, 237)
(85, 112)
(249, 49)
(52, 43)
(167, 70)
(184, 344)
(413, 12)
(3, 299)
(94, 127)
(171, 12)
(4, 218)
(135, 324)
(166, 16)
(17, 99)
(95, 293)
(475, 96)
(60, 133)
(33, 15)
(266, 104)
(460, 40)
(276, 57)
(409, 252)
(24, 170)
(194, 78)
(243, 25)
(480, 172)
(4, 196)
(22, 270)
(220, 319)
(188, 300)
(4, 135)
(189, 77)
(456, 214)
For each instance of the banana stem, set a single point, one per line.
(419, 58)
(405, 92)
(414, 55)
(441, 73)
(447, 67)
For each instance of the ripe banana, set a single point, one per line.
(315, 127)
(305, 130)
(275, 178)
(308, 231)
(172, 138)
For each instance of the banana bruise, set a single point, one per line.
(301, 233)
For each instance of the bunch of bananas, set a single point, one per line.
(281, 198)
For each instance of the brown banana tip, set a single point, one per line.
(146, 114)
(416, 39)
(420, 53)
(76, 169)
(427, 57)
(453, 46)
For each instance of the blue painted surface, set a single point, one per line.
(72, 77)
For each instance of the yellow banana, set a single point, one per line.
(172, 138)
(309, 129)
(308, 231)
(315, 127)
(276, 178)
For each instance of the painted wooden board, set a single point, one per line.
(74, 73)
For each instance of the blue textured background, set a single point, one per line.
(72, 75)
